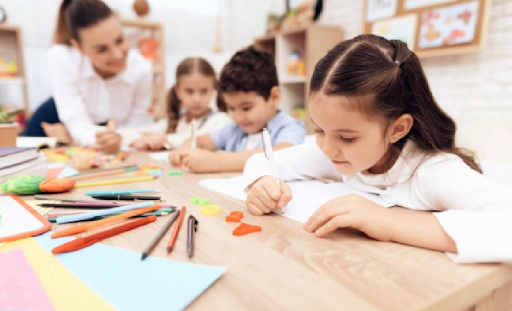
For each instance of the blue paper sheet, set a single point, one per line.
(127, 283)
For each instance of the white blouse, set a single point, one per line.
(474, 210)
(208, 124)
(84, 99)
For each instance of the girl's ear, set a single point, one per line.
(400, 127)
(177, 90)
(275, 96)
(76, 45)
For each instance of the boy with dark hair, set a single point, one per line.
(249, 86)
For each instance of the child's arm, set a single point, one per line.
(201, 161)
(204, 147)
(415, 228)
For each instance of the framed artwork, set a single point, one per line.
(430, 27)
(448, 26)
(401, 28)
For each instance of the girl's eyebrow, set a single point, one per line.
(338, 130)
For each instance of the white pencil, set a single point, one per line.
(193, 133)
(269, 153)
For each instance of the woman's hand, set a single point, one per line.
(57, 130)
(355, 212)
(266, 196)
(109, 141)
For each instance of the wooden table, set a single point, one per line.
(286, 268)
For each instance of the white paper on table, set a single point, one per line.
(308, 195)
(15, 218)
(160, 156)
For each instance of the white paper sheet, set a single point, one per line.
(160, 156)
(308, 195)
(15, 218)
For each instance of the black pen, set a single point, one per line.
(127, 197)
(192, 227)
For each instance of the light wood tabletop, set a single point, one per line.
(286, 268)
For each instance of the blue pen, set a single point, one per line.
(120, 192)
(92, 214)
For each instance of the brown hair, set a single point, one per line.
(249, 70)
(186, 67)
(76, 14)
(390, 75)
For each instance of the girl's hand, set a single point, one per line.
(155, 141)
(355, 212)
(199, 160)
(266, 196)
(140, 144)
(175, 157)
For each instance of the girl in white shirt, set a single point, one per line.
(379, 130)
(189, 99)
(95, 77)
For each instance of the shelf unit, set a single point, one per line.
(312, 42)
(137, 29)
(11, 46)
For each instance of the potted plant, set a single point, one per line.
(8, 129)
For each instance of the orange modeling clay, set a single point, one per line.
(235, 216)
(56, 185)
(244, 229)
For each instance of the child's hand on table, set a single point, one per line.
(265, 196)
(154, 141)
(199, 160)
(355, 212)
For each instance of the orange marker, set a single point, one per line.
(86, 226)
(80, 243)
(105, 173)
(174, 235)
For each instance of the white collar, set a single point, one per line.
(402, 170)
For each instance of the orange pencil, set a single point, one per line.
(80, 243)
(174, 235)
(105, 173)
(92, 224)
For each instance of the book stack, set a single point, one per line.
(15, 159)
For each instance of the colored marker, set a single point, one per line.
(120, 192)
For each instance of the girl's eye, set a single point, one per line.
(347, 140)
(120, 40)
(319, 131)
(246, 108)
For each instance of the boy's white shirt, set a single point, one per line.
(474, 210)
(183, 129)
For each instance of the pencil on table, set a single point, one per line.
(159, 235)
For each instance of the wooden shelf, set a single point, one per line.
(292, 79)
(11, 46)
(15, 80)
(312, 42)
(137, 29)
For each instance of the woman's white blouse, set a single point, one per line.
(84, 99)
(474, 210)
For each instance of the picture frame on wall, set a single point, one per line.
(442, 27)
